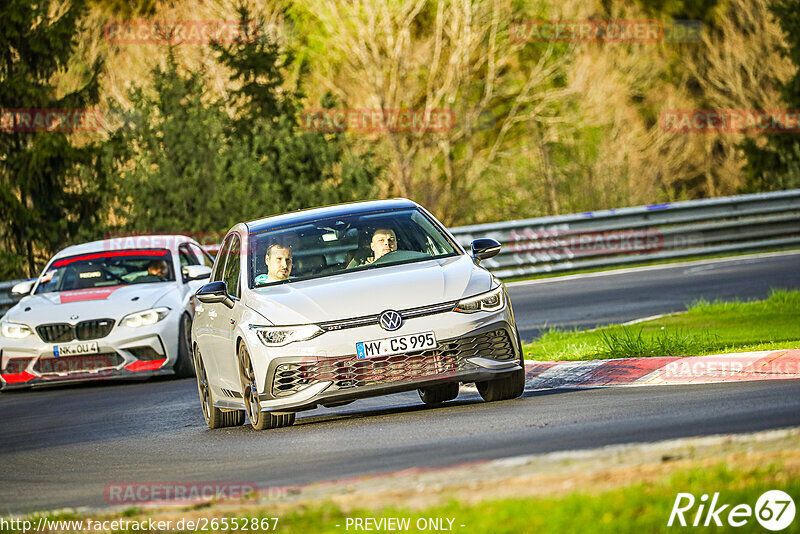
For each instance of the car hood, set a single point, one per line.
(114, 302)
(356, 294)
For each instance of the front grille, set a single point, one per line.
(83, 331)
(55, 333)
(349, 372)
(78, 363)
(94, 329)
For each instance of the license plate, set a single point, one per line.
(73, 349)
(395, 345)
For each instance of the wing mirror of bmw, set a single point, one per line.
(484, 248)
(213, 293)
(195, 272)
(23, 288)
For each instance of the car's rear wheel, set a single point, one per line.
(183, 365)
(260, 420)
(215, 418)
(438, 394)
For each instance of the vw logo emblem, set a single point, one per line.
(390, 320)
(73, 317)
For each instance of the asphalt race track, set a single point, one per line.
(61, 446)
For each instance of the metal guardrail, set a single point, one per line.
(657, 232)
(614, 237)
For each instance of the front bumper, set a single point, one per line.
(471, 348)
(124, 353)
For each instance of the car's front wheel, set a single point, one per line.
(506, 388)
(509, 387)
(215, 418)
(436, 395)
(260, 420)
(183, 365)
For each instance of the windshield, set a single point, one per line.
(338, 245)
(104, 269)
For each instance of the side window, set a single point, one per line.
(192, 254)
(232, 268)
(219, 264)
(204, 258)
(187, 256)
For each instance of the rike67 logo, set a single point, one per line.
(774, 510)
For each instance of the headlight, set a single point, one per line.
(278, 336)
(491, 301)
(145, 318)
(15, 330)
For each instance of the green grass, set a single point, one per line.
(641, 506)
(706, 328)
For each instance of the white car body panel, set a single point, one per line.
(113, 302)
(218, 329)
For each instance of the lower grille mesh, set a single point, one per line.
(349, 372)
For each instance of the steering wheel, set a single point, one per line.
(391, 255)
(118, 277)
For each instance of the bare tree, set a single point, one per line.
(455, 55)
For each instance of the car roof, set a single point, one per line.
(337, 210)
(170, 242)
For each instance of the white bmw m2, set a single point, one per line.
(329, 305)
(117, 308)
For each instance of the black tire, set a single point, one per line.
(506, 388)
(258, 419)
(509, 387)
(215, 418)
(433, 396)
(184, 367)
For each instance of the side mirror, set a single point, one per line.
(483, 249)
(195, 272)
(213, 293)
(23, 288)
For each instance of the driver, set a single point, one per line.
(158, 268)
(279, 264)
(383, 242)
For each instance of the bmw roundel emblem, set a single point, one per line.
(73, 317)
(390, 320)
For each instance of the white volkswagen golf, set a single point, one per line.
(117, 308)
(329, 305)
